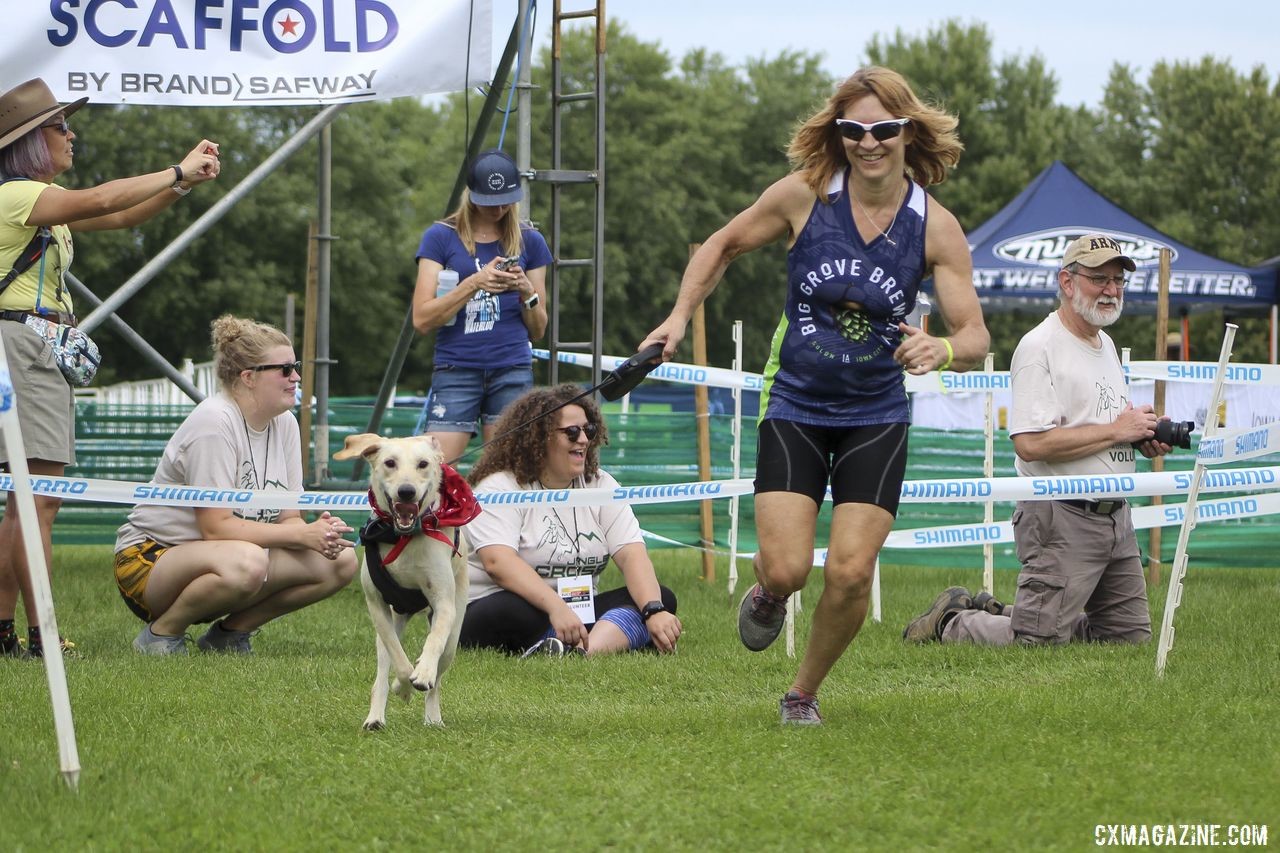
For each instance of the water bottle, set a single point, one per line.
(917, 315)
(447, 280)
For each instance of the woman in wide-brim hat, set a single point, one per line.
(36, 215)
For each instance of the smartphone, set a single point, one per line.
(504, 263)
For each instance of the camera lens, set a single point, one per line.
(1175, 433)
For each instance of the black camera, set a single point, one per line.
(1173, 433)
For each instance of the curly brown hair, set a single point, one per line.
(524, 452)
(816, 149)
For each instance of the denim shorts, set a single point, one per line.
(462, 395)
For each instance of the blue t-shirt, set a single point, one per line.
(489, 331)
(833, 366)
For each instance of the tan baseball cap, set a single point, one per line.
(1094, 250)
(27, 106)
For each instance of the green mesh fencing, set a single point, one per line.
(123, 442)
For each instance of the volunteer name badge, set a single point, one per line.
(580, 594)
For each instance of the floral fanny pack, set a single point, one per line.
(74, 352)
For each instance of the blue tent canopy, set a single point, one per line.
(1017, 253)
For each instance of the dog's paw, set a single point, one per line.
(424, 677)
(402, 687)
(374, 724)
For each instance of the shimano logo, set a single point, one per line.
(1046, 248)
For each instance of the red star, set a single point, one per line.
(288, 26)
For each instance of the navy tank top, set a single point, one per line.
(831, 365)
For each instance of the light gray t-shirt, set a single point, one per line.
(1058, 380)
(215, 448)
(558, 541)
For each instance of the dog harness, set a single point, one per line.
(457, 506)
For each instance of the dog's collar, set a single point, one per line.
(457, 506)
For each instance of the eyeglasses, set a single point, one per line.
(1101, 281)
(880, 130)
(572, 432)
(286, 369)
(59, 125)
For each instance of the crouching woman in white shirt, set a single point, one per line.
(176, 566)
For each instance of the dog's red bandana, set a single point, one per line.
(457, 506)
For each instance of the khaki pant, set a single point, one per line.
(1081, 580)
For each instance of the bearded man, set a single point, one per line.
(1081, 575)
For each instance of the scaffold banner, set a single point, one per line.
(249, 53)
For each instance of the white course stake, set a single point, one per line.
(69, 758)
(793, 607)
(988, 471)
(735, 455)
(1179, 571)
(875, 592)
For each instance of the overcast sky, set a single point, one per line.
(1080, 41)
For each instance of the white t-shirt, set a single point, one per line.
(216, 448)
(1058, 380)
(557, 541)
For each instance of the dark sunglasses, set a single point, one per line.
(574, 431)
(286, 369)
(59, 125)
(880, 131)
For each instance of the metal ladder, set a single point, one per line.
(559, 178)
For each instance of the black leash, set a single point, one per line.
(619, 382)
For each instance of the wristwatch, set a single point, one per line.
(532, 301)
(651, 608)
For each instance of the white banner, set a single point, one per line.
(1144, 518)
(247, 52)
(721, 377)
(913, 491)
(1238, 445)
(1206, 371)
(937, 381)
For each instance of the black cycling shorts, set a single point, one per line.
(863, 464)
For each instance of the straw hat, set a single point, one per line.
(28, 105)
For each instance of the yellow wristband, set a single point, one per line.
(951, 354)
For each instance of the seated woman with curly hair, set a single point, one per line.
(527, 559)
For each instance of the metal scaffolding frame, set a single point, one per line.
(104, 311)
(559, 178)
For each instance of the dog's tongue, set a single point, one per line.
(406, 514)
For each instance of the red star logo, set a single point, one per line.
(288, 27)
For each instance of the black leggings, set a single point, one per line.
(505, 621)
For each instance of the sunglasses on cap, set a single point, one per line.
(286, 369)
(572, 432)
(880, 130)
(58, 124)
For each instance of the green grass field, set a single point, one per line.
(923, 747)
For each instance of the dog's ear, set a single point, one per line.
(359, 445)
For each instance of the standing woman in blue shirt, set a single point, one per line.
(486, 322)
(36, 146)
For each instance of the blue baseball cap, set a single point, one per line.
(494, 179)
